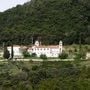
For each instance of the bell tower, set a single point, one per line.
(60, 46)
(37, 43)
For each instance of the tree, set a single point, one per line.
(51, 20)
(12, 53)
(6, 54)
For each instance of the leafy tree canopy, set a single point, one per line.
(48, 21)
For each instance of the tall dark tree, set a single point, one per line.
(12, 52)
(6, 54)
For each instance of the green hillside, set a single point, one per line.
(48, 21)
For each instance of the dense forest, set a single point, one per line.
(48, 21)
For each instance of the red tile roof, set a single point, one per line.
(50, 46)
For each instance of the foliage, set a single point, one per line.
(35, 67)
(80, 55)
(26, 54)
(12, 52)
(33, 55)
(63, 55)
(64, 84)
(47, 20)
(6, 54)
(66, 77)
(42, 56)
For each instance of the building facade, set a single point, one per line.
(38, 49)
(16, 51)
(49, 51)
(88, 55)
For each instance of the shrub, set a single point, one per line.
(70, 51)
(42, 56)
(80, 55)
(63, 56)
(33, 55)
(26, 54)
(35, 67)
(30, 61)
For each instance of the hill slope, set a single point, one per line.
(48, 21)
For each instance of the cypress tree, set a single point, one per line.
(6, 54)
(12, 54)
